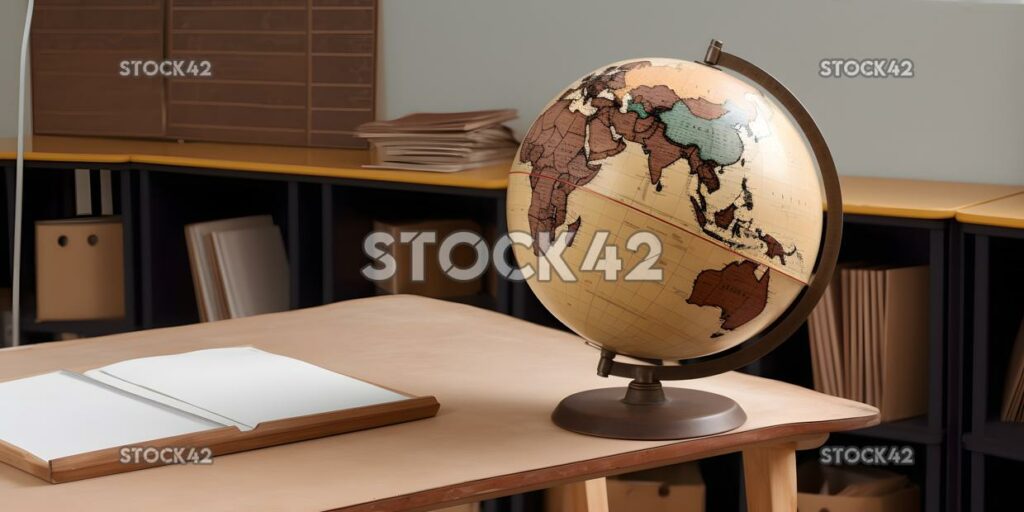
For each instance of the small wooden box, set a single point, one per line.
(80, 269)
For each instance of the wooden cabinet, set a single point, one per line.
(291, 72)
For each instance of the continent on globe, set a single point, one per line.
(735, 290)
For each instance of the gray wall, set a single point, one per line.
(960, 118)
(12, 20)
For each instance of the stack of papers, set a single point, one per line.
(441, 142)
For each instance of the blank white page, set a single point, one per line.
(62, 413)
(248, 385)
(137, 390)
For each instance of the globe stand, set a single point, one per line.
(645, 410)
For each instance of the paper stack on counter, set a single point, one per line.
(441, 142)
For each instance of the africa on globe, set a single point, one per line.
(684, 201)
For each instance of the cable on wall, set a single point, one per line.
(19, 175)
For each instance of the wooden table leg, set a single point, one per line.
(770, 476)
(589, 496)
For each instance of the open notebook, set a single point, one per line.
(208, 398)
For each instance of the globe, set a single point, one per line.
(672, 210)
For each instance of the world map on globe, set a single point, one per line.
(706, 164)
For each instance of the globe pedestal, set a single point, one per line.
(648, 411)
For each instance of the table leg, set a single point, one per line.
(769, 474)
(588, 496)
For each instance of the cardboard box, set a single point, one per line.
(80, 269)
(678, 488)
(436, 283)
(855, 490)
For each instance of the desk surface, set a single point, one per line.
(1006, 213)
(861, 195)
(332, 163)
(497, 378)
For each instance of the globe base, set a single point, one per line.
(647, 411)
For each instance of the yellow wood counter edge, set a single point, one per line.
(985, 220)
(967, 217)
(895, 211)
(91, 158)
(393, 176)
(419, 178)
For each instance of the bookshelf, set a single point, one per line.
(993, 307)
(324, 204)
(894, 240)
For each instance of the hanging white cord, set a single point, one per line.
(19, 174)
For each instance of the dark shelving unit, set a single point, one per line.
(900, 241)
(49, 194)
(994, 308)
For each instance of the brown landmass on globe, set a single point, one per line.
(704, 108)
(572, 229)
(735, 290)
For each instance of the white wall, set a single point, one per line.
(960, 118)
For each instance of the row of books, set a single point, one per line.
(441, 142)
(239, 267)
(1013, 393)
(869, 339)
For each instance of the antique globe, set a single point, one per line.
(672, 212)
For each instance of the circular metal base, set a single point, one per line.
(683, 413)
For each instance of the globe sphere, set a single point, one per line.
(665, 209)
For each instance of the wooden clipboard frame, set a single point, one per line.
(222, 441)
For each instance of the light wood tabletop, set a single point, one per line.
(324, 162)
(497, 379)
(1007, 212)
(916, 199)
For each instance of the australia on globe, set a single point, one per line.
(684, 201)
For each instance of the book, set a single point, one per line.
(64, 426)
(440, 142)
(210, 297)
(253, 270)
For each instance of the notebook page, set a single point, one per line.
(110, 380)
(249, 386)
(62, 413)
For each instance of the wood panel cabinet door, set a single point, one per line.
(79, 85)
(295, 72)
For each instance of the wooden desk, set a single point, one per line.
(328, 163)
(1007, 212)
(497, 379)
(916, 199)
